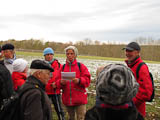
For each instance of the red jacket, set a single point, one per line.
(49, 89)
(145, 85)
(18, 79)
(75, 94)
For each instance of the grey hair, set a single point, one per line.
(72, 48)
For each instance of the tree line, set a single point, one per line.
(88, 47)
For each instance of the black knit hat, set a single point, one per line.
(116, 84)
(132, 46)
(41, 64)
(8, 46)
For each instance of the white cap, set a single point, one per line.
(19, 65)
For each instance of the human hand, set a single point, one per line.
(63, 82)
(75, 80)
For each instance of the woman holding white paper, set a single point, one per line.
(74, 95)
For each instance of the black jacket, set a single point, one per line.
(97, 113)
(32, 105)
(6, 84)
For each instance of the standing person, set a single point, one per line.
(9, 56)
(19, 74)
(6, 84)
(133, 59)
(35, 103)
(115, 88)
(74, 95)
(54, 93)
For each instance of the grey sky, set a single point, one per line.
(74, 20)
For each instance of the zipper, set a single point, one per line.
(70, 85)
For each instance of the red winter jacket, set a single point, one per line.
(145, 85)
(18, 79)
(75, 94)
(49, 89)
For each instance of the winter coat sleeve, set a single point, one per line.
(145, 88)
(85, 76)
(49, 88)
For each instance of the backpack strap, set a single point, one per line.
(79, 65)
(63, 67)
(59, 65)
(138, 68)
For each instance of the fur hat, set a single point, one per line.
(19, 65)
(8, 46)
(41, 64)
(48, 51)
(72, 48)
(116, 84)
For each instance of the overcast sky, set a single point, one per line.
(74, 20)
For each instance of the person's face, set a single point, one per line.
(8, 54)
(25, 70)
(48, 57)
(70, 55)
(131, 55)
(44, 76)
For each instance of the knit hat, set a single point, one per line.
(72, 48)
(41, 64)
(8, 46)
(116, 85)
(48, 51)
(19, 65)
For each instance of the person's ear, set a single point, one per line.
(37, 74)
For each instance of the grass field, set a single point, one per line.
(80, 56)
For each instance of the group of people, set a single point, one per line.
(119, 93)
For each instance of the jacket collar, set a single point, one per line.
(34, 81)
(71, 63)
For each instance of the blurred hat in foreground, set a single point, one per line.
(116, 84)
(8, 46)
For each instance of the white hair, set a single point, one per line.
(32, 71)
(72, 48)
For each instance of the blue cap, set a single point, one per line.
(48, 51)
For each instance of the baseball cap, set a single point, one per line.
(132, 46)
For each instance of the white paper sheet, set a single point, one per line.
(68, 75)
